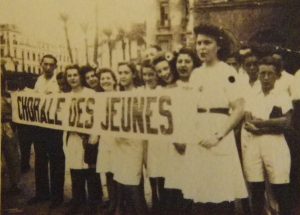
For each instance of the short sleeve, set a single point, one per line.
(194, 80)
(232, 84)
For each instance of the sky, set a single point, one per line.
(40, 20)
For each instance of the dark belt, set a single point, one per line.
(214, 110)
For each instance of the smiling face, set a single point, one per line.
(107, 82)
(184, 65)
(73, 78)
(267, 75)
(164, 71)
(149, 77)
(125, 76)
(207, 48)
(91, 79)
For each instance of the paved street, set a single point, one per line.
(16, 204)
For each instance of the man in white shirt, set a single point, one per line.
(249, 62)
(285, 79)
(295, 171)
(48, 145)
(263, 144)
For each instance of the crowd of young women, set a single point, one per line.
(203, 176)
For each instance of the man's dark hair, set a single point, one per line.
(49, 56)
(248, 54)
(269, 60)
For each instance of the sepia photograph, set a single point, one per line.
(150, 107)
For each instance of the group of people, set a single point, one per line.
(247, 142)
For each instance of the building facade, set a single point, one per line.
(247, 19)
(19, 53)
(172, 21)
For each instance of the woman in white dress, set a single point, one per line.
(155, 155)
(167, 76)
(80, 161)
(185, 61)
(107, 83)
(129, 153)
(214, 177)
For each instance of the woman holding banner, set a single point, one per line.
(156, 150)
(164, 66)
(108, 83)
(81, 151)
(185, 61)
(214, 177)
(90, 78)
(129, 153)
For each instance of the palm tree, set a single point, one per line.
(96, 40)
(64, 18)
(137, 32)
(110, 42)
(84, 27)
(121, 36)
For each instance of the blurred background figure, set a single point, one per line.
(9, 143)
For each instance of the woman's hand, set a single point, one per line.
(252, 128)
(180, 148)
(211, 141)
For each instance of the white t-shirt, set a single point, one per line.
(261, 106)
(284, 83)
(295, 86)
(46, 86)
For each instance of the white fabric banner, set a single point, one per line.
(137, 114)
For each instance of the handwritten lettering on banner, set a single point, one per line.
(136, 114)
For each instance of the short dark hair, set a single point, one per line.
(158, 58)
(84, 70)
(236, 56)
(49, 56)
(219, 35)
(132, 67)
(248, 54)
(74, 66)
(106, 70)
(269, 60)
(191, 53)
(161, 56)
(147, 64)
